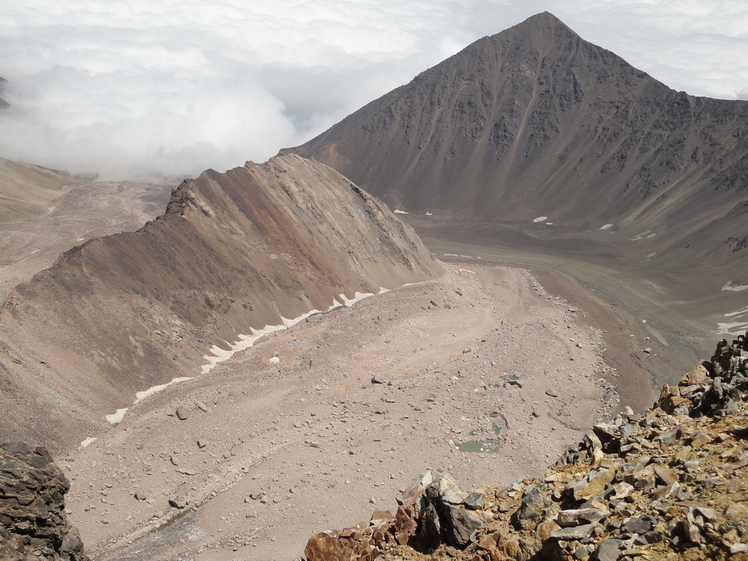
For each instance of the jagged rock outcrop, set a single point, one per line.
(33, 524)
(669, 484)
(235, 251)
(536, 120)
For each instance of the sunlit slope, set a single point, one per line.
(26, 190)
(234, 252)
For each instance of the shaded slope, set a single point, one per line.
(234, 251)
(534, 122)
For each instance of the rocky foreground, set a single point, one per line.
(33, 524)
(669, 484)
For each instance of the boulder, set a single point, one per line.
(532, 509)
(460, 525)
(323, 547)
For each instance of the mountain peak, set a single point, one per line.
(542, 28)
(541, 20)
(535, 117)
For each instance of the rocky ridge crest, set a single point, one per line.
(668, 484)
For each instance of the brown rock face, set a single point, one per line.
(234, 252)
(32, 509)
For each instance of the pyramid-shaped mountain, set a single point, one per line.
(536, 122)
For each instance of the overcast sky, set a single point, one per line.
(128, 88)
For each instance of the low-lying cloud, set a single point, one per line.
(127, 89)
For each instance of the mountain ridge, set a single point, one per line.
(234, 252)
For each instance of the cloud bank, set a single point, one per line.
(132, 88)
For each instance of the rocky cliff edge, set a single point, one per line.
(32, 509)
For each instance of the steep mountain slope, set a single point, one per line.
(233, 252)
(534, 126)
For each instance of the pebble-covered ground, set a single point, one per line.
(325, 422)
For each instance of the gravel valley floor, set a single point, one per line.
(320, 424)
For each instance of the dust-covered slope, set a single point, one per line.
(234, 251)
(535, 122)
(26, 190)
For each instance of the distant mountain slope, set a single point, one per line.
(536, 122)
(3, 103)
(234, 251)
(26, 190)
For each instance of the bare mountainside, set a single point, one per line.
(26, 190)
(234, 252)
(67, 216)
(538, 141)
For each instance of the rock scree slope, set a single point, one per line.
(233, 252)
(27, 190)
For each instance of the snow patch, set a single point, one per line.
(541, 219)
(116, 418)
(640, 236)
(398, 211)
(246, 341)
(150, 391)
(738, 313)
(89, 440)
(736, 328)
(729, 287)
(648, 257)
(732, 328)
(357, 297)
(274, 360)
(606, 227)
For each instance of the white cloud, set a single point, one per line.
(128, 88)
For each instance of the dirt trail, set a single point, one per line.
(273, 450)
